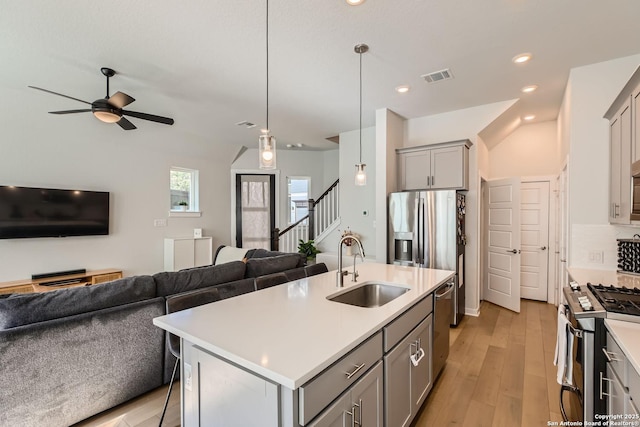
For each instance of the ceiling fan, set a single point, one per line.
(110, 109)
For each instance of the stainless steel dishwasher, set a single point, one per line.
(442, 316)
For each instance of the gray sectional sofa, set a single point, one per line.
(69, 354)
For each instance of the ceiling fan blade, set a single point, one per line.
(59, 94)
(120, 100)
(86, 110)
(126, 124)
(151, 117)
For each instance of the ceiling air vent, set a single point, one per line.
(438, 76)
(246, 124)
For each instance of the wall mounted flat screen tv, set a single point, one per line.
(43, 212)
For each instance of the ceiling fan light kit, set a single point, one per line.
(110, 108)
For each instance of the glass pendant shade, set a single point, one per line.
(361, 175)
(267, 151)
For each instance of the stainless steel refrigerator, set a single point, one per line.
(426, 229)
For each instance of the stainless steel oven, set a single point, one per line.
(580, 398)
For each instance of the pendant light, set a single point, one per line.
(266, 142)
(361, 175)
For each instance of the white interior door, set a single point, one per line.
(503, 282)
(534, 226)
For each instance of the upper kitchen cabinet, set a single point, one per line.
(434, 167)
(624, 148)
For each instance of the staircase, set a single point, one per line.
(323, 217)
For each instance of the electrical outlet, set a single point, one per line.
(596, 257)
(159, 222)
(188, 381)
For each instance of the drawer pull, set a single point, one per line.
(355, 371)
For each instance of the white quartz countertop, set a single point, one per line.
(605, 277)
(291, 332)
(626, 335)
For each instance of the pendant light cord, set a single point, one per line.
(267, 38)
(360, 107)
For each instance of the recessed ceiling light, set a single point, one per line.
(402, 89)
(522, 58)
(355, 2)
(529, 117)
(529, 89)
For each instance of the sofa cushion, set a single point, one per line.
(24, 309)
(238, 287)
(264, 253)
(261, 266)
(60, 372)
(173, 282)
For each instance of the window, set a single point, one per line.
(184, 190)
(298, 197)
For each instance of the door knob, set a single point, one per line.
(513, 251)
(543, 248)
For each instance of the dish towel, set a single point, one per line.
(563, 358)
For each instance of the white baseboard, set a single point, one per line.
(475, 312)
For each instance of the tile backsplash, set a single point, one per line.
(595, 246)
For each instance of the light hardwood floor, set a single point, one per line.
(499, 373)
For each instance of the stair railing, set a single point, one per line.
(322, 213)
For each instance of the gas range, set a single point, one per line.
(603, 301)
(620, 303)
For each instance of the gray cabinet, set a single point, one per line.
(620, 165)
(437, 166)
(408, 374)
(624, 148)
(360, 405)
(621, 383)
(315, 395)
(615, 394)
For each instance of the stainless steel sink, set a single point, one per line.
(369, 294)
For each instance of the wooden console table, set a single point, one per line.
(69, 281)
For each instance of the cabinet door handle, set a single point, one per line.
(602, 393)
(611, 356)
(428, 181)
(359, 406)
(355, 371)
(355, 422)
(433, 180)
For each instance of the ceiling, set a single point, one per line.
(202, 62)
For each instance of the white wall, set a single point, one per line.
(456, 125)
(531, 150)
(134, 167)
(389, 136)
(590, 92)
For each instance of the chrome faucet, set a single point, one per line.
(341, 273)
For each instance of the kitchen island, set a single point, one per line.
(267, 358)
